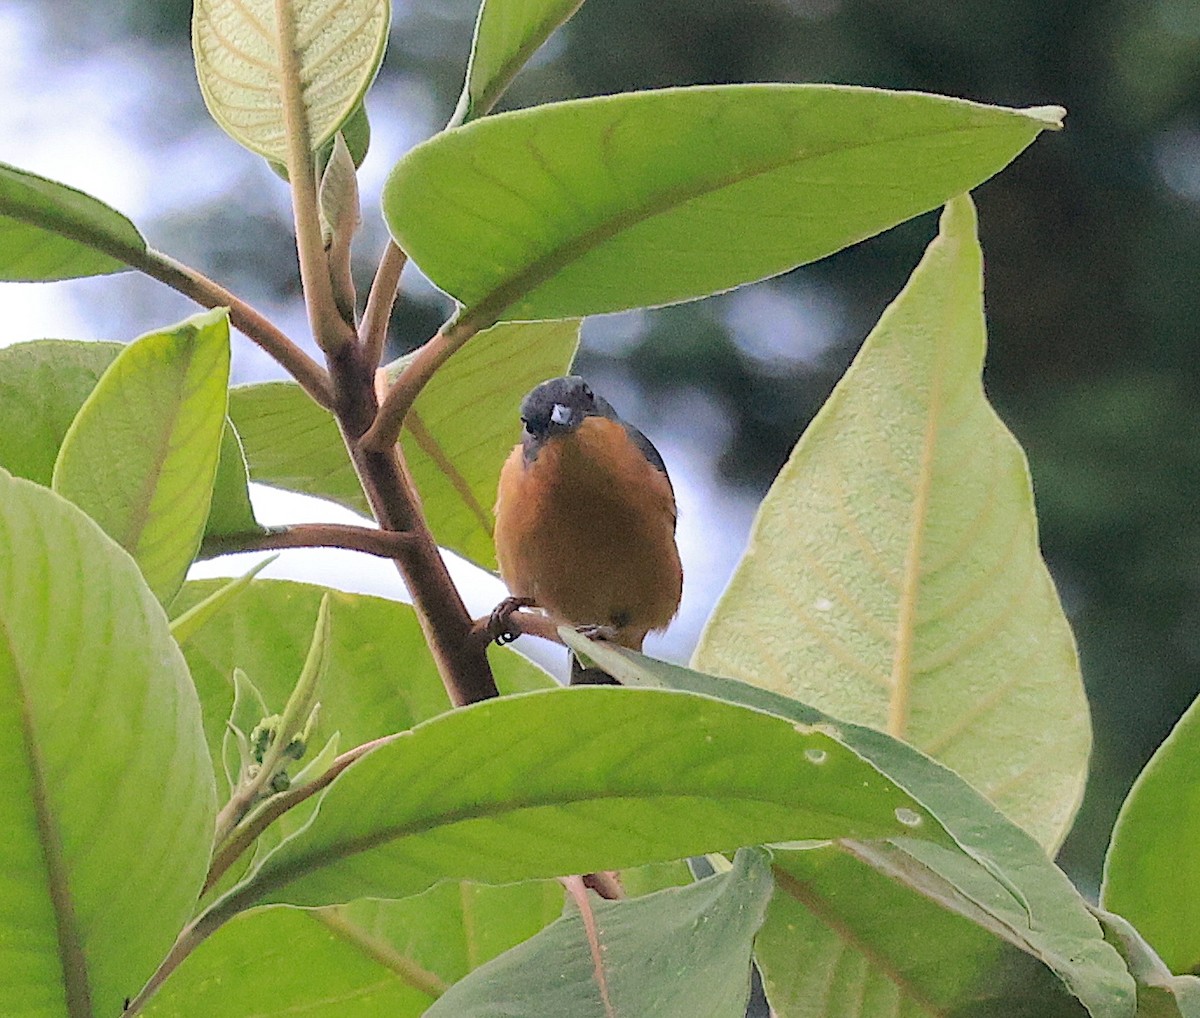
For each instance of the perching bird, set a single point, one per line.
(585, 518)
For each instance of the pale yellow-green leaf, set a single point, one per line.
(141, 455)
(893, 575)
(247, 56)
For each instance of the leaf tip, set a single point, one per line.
(1050, 117)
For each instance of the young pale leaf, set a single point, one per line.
(51, 231)
(840, 932)
(248, 710)
(456, 437)
(195, 618)
(678, 953)
(141, 456)
(1001, 873)
(1152, 873)
(108, 795)
(893, 574)
(251, 53)
(392, 958)
(648, 198)
(574, 781)
(507, 34)
(381, 677)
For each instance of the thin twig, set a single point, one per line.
(385, 430)
(519, 623)
(252, 323)
(372, 331)
(383, 543)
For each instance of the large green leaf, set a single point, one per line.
(507, 33)
(646, 198)
(1152, 873)
(574, 781)
(389, 958)
(678, 953)
(42, 386)
(1001, 877)
(141, 456)
(841, 938)
(458, 434)
(51, 231)
(250, 53)
(108, 796)
(893, 574)
(381, 677)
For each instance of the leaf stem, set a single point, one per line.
(330, 331)
(382, 543)
(372, 331)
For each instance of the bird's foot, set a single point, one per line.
(499, 626)
(604, 634)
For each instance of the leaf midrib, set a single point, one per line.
(71, 956)
(488, 309)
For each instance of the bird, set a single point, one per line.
(585, 520)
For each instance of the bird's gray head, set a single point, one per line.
(559, 406)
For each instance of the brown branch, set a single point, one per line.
(518, 623)
(383, 543)
(250, 322)
(385, 430)
(372, 332)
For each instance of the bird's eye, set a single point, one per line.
(587, 393)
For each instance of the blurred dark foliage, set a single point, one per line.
(1092, 241)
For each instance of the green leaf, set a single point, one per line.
(574, 781)
(507, 34)
(141, 456)
(230, 512)
(389, 958)
(50, 231)
(648, 198)
(1160, 994)
(1000, 876)
(188, 622)
(893, 575)
(381, 678)
(679, 953)
(842, 938)
(1152, 873)
(457, 436)
(248, 710)
(108, 796)
(42, 386)
(245, 54)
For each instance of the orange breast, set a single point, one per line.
(587, 530)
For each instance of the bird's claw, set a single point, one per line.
(499, 627)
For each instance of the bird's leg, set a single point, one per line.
(498, 625)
